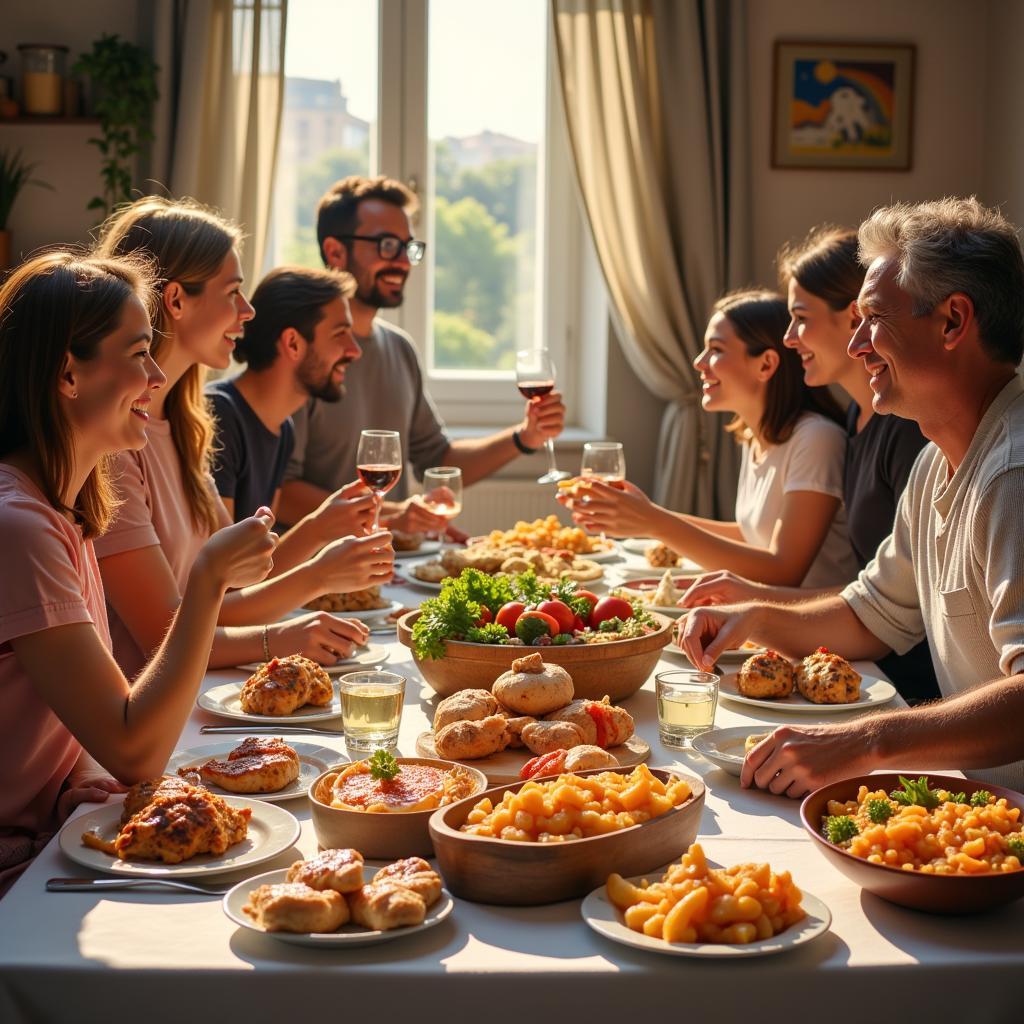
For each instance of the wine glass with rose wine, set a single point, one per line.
(379, 463)
(535, 377)
(603, 460)
(442, 494)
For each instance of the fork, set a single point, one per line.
(91, 884)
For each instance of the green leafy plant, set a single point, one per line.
(124, 89)
(15, 174)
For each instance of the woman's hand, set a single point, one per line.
(355, 563)
(347, 512)
(415, 517)
(242, 554)
(320, 636)
(622, 510)
(721, 587)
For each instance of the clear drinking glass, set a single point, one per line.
(686, 705)
(442, 493)
(603, 460)
(379, 463)
(535, 377)
(371, 709)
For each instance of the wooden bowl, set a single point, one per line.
(617, 669)
(936, 894)
(516, 874)
(381, 836)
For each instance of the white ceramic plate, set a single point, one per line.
(272, 830)
(725, 747)
(223, 701)
(372, 654)
(313, 762)
(637, 545)
(733, 656)
(428, 547)
(413, 581)
(874, 692)
(365, 615)
(347, 935)
(607, 920)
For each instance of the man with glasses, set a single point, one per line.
(363, 227)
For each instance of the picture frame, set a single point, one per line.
(843, 106)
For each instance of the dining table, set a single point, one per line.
(174, 956)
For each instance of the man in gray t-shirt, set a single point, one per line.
(363, 227)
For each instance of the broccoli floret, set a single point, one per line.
(955, 798)
(840, 828)
(1016, 846)
(980, 797)
(879, 811)
(915, 794)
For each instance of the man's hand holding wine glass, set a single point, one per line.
(544, 418)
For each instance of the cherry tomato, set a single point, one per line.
(532, 625)
(560, 612)
(610, 608)
(508, 615)
(591, 600)
(486, 615)
(578, 624)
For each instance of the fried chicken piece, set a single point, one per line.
(141, 794)
(176, 826)
(544, 737)
(767, 675)
(827, 678)
(416, 874)
(340, 870)
(257, 765)
(293, 907)
(382, 906)
(467, 741)
(465, 706)
(601, 722)
(283, 685)
(585, 757)
(514, 725)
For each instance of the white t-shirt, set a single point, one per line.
(811, 460)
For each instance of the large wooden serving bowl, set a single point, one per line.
(510, 873)
(378, 836)
(937, 894)
(617, 669)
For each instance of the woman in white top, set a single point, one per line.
(790, 528)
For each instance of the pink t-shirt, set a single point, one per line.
(50, 578)
(154, 512)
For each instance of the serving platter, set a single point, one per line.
(223, 701)
(367, 657)
(505, 766)
(313, 762)
(272, 830)
(607, 920)
(349, 935)
(874, 692)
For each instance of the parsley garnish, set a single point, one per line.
(383, 765)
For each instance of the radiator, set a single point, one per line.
(498, 504)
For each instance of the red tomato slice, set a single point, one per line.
(602, 719)
(545, 764)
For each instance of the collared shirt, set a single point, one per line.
(950, 570)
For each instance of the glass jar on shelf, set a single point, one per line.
(42, 78)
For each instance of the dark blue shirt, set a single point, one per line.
(249, 460)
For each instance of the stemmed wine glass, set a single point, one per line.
(442, 493)
(379, 463)
(535, 377)
(603, 460)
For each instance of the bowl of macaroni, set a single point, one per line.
(555, 839)
(936, 843)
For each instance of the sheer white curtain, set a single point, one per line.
(219, 115)
(655, 100)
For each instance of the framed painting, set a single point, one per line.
(844, 106)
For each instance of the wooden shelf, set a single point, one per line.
(26, 119)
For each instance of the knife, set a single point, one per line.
(91, 884)
(273, 730)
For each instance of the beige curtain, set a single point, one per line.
(219, 115)
(655, 100)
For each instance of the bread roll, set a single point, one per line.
(539, 689)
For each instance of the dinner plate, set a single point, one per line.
(347, 935)
(732, 656)
(607, 920)
(272, 830)
(373, 654)
(725, 747)
(428, 547)
(313, 762)
(874, 692)
(413, 581)
(223, 701)
(637, 545)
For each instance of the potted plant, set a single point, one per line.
(15, 174)
(124, 90)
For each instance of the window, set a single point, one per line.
(461, 91)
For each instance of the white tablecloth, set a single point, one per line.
(176, 957)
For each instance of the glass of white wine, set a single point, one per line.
(442, 493)
(603, 460)
(371, 709)
(686, 705)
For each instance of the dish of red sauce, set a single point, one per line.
(414, 784)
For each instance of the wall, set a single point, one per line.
(949, 155)
(65, 159)
(1004, 163)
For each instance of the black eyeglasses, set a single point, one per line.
(389, 247)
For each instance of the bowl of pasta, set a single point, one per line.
(382, 805)
(937, 843)
(555, 838)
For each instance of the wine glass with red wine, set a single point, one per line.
(379, 463)
(535, 377)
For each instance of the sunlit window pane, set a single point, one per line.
(486, 122)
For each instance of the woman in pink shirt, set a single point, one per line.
(170, 504)
(76, 378)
